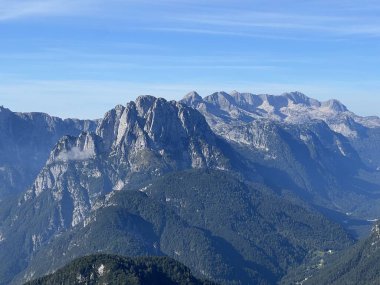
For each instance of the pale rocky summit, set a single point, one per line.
(294, 107)
(169, 134)
(226, 111)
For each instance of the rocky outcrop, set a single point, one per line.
(145, 139)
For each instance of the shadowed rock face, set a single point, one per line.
(26, 140)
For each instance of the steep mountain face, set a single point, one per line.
(145, 139)
(153, 136)
(26, 140)
(180, 214)
(357, 265)
(319, 150)
(112, 269)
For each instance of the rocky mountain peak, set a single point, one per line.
(166, 128)
(334, 105)
(192, 98)
(145, 139)
(220, 98)
(300, 98)
(144, 103)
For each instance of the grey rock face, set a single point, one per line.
(224, 112)
(295, 108)
(26, 140)
(142, 140)
(156, 136)
(321, 149)
(277, 135)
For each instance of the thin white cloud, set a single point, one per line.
(217, 19)
(15, 9)
(241, 23)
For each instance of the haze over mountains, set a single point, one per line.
(288, 175)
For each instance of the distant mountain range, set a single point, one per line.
(318, 149)
(295, 108)
(238, 187)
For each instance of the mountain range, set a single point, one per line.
(241, 188)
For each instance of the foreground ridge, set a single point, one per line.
(113, 269)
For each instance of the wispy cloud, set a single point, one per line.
(213, 18)
(243, 23)
(15, 9)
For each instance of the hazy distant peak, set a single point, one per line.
(292, 107)
(220, 98)
(334, 105)
(192, 94)
(300, 98)
(192, 98)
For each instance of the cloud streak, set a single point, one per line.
(259, 23)
(192, 17)
(16, 9)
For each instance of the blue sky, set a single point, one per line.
(79, 58)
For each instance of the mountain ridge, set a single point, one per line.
(221, 137)
(293, 107)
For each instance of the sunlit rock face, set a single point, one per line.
(144, 139)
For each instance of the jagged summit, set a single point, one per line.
(192, 98)
(293, 107)
(300, 98)
(283, 100)
(142, 140)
